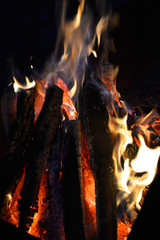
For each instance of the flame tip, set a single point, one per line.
(17, 86)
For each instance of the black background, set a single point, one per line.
(29, 28)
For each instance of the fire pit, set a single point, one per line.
(80, 161)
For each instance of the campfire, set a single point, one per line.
(80, 162)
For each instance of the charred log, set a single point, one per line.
(38, 153)
(100, 146)
(13, 162)
(72, 182)
(8, 231)
(51, 212)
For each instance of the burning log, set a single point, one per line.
(48, 222)
(100, 146)
(38, 153)
(72, 182)
(13, 162)
(9, 231)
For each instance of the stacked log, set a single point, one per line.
(13, 161)
(38, 153)
(48, 143)
(100, 147)
(72, 182)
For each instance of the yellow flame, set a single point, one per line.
(146, 161)
(78, 16)
(101, 26)
(9, 196)
(137, 173)
(69, 29)
(17, 86)
(118, 127)
(73, 90)
(94, 53)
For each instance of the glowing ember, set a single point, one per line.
(13, 210)
(88, 190)
(123, 229)
(37, 229)
(47, 224)
(40, 92)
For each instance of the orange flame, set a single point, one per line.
(67, 108)
(40, 92)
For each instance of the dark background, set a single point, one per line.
(29, 28)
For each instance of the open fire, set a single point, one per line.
(83, 159)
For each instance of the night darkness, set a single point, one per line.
(29, 28)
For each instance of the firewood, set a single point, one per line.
(100, 146)
(13, 162)
(72, 182)
(38, 153)
(9, 231)
(50, 213)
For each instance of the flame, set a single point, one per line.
(94, 53)
(72, 92)
(135, 166)
(73, 42)
(79, 42)
(77, 20)
(101, 27)
(17, 86)
(146, 161)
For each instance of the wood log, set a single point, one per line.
(8, 109)
(100, 146)
(72, 182)
(13, 161)
(38, 153)
(9, 231)
(50, 213)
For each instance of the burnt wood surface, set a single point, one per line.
(72, 182)
(9, 231)
(38, 153)
(100, 147)
(13, 162)
(51, 213)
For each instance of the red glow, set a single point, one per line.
(40, 92)
(13, 211)
(123, 230)
(88, 191)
